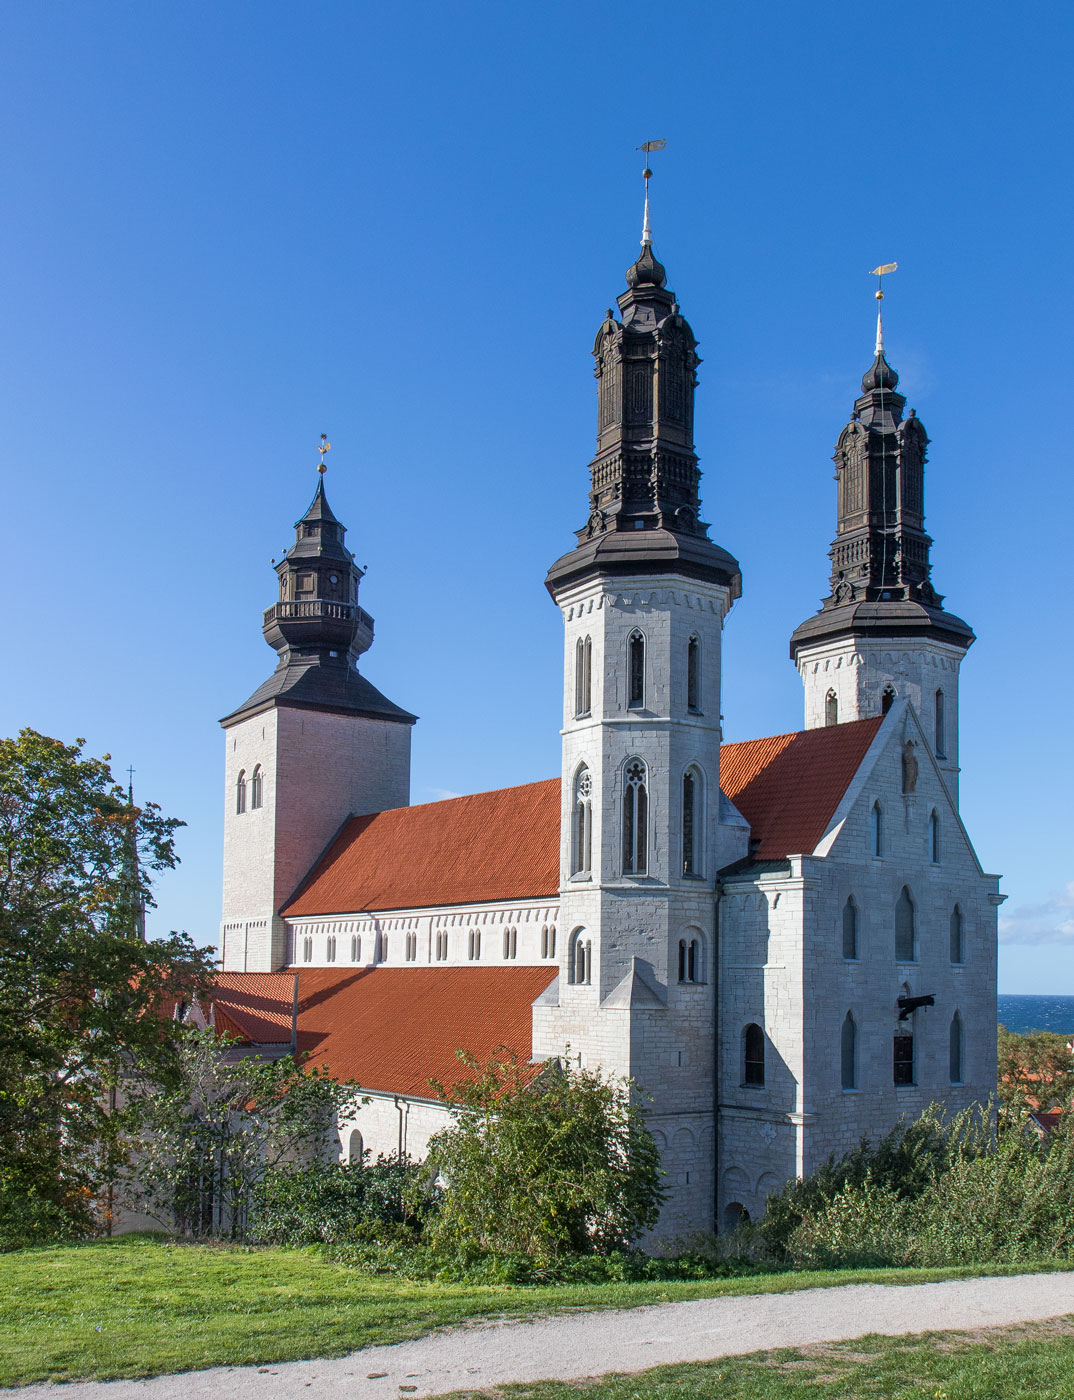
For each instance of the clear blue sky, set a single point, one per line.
(230, 227)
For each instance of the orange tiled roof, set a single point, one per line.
(389, 1028)
(789, 785)
(505, 844)
(491, 845)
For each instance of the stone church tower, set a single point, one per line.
(315, 744)
(882, 632)
(643, 597)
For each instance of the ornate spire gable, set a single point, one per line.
(644, 509)
(317, 627)
(881, 571)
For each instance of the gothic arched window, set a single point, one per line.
(955, 1049)
(941, 734)
(256, 787)
(693, 675)
(355, 1147)
(330, 948)
(691, 824)
(905, 939)
(307, 949)
(878, 830)
(582, 823)
(887, 699)
(240, 793)
(356, 947)
(753, 1056)
(831, 708)
(848, 1053)
(635, 819)
(548, 941)
(934, 838)
(636, 669)
(510, 943)
(958, 950)
(474, 945)
(583, 676)
(850, 929)
(410, 948)
(579, 963)
(691, 959)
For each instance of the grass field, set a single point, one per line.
(1034, 1361)
(142, 1307)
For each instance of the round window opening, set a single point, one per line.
(333, 578)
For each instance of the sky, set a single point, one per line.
(228, 228)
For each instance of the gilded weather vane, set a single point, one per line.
(325, 446)
(880, 273)
(647, 175)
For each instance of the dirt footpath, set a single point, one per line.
(592, 1344)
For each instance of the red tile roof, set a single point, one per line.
(504, 845)
(468, 850)
(389, 1028)
(788, 786)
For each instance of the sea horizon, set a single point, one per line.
(1045, 1011)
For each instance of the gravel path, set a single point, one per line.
(591, 1344)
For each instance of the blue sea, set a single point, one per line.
(1024, 1014)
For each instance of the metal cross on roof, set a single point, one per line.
(325, 446)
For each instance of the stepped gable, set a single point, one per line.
(390, 1028)
(467, 850)
(788, 785)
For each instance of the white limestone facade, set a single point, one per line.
(627, 1000)
(788, 965)
(859, 671)
(316, 769)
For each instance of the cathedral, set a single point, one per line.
(787, 943)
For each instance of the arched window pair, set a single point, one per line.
(691, 959)
(255, 786)
(356, 947)
(580, 959)
(691, 822)
(307, 949)
(411, 947)
(330, 948)
(583, 677)
(441, 945)
(582, 823)
(473, 949)
(510, 943)
(548, 941)
(635, 818)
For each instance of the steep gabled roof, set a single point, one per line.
(789, 785)
(488, 846)
(504, 845)
(390, 1028)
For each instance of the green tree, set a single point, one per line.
(541, 1167)
(81, 996)
(209, 1138)
(1035, 1071)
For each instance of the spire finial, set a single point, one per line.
(647, 175)
(130, 785)
(880, 273)
(325, 446)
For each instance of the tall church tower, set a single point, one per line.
(643, 597)
(314, 745)
(882, 632)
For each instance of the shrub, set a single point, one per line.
(338, 1202)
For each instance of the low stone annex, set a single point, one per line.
(787, 942)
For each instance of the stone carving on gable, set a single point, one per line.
(909, 767)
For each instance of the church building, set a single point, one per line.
(788, 943)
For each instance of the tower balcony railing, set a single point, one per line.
(317, 608)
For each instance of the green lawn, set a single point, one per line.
(1031, 1362)
(141, 1307)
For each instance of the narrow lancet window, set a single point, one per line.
(637, 671)
(256, 787)
(689, 823)
(850, 930)
(848, 1053)
(934, 838)
(240, 793)
(941, 734)
(693, 676)
(753, 1056)
(878, 830)
(905, 939)
(582, 823)
(583, 676)
(580, 968)
(831, 708)
(958, 951)
(635, 819)
(955, 1050)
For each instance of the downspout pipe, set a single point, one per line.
(294, 1017)
(716, 959)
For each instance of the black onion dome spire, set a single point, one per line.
(881, 576)
(644, 506)
(317, 627)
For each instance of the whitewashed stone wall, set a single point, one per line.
(390, 1124)
(317, 770)
(858, 670)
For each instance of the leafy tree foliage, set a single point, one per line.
(538, 1168)
(340, 1203)
(1035, 1071)
(215, 1133)
(79, 994)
